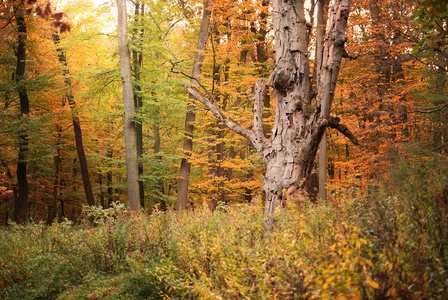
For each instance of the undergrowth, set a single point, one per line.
(386, 245)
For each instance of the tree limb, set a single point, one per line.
(217, 112)
(333, 122)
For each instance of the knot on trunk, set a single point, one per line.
(339, 38)
(283, 75)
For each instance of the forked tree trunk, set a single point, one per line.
(130, 135)
(301, 116)
(302, 113)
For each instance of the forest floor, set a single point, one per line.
(386, 243)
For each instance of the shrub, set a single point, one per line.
(390, 243)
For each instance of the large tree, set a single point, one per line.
(302, 108)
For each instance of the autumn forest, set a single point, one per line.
(224, 149)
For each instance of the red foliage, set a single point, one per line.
(47, 11)
(58, 16)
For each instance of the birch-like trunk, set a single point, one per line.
(130, 135)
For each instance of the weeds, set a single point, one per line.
(391, 243)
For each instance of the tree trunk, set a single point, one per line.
(160, 189)
(323, 168)
(300, 121)
(110, 190)
(261, 42)
(322, 11)
(21, 203)
(130, 135)
(215, 150)
(76, 123)
(52, 205)
(185, 167)
(138, 99)
(302, 114)
(14, 187)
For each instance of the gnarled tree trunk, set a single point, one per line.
(302, 112)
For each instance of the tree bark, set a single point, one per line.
(76, 123)
(160, 189)
(138, 99)
(130, 135)
(182, 192)
(322, 10)
(110, 190)
(21, 203)
(302, 114)
(52, 205)
(322, 170)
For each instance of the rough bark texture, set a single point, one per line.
(185, 167)
(76, 123)
(129, 110)
(21, 203)
(302, 113)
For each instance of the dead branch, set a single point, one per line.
(333, 122)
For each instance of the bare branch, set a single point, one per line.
(217, 112)
(333, 122)
(194, 79)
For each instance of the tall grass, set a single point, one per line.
(388, 244)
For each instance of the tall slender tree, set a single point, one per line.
(76, 121)
(21, 204)
(322, 9)
(182, 191)
(129, 109)
(137, 59)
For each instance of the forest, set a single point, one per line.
(223, 149)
